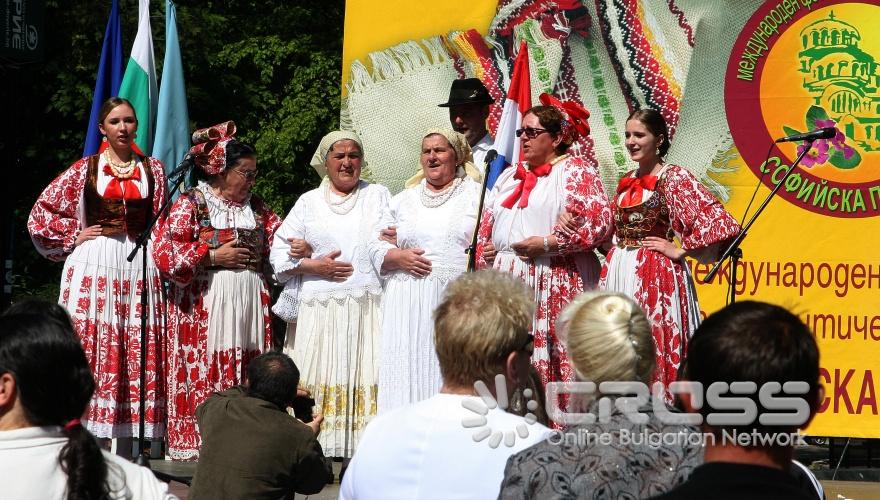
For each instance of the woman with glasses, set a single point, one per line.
(519, 233)
(214, 247)
(331, 298)
(655, 203)
(89, 217)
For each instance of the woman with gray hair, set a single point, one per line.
(434, 219)
(608, 339)
(331, 298)
(481, 332)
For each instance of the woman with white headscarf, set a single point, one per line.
(434, 220)
(331, 299)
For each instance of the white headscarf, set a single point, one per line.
(320, 157)
(463, 155)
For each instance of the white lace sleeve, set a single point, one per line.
(378, 248)
(292, 227)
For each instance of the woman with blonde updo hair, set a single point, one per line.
(608, 338)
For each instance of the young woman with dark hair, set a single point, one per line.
(89, 218)
(45, 387)
(655, 204)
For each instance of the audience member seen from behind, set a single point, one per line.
(608, 339)
(760, 343)
(251, 447)
(427, 449)
(45, 387)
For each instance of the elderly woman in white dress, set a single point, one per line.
(335, 292)
(434, 220)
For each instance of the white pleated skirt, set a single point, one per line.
(335, 345)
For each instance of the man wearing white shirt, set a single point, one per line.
(468, 105)
(430, 449)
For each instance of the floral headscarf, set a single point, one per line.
(320, 157)
(209, 147)
(574, 115)
(462, 153)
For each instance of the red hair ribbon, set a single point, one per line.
(71, 424)
(574, 114)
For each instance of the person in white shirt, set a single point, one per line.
(468, 104)
(456, 443)
(45, 386)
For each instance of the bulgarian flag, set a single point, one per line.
(519, 100)
(139, 83)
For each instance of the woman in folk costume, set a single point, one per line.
(655, 203)
(89, 217)
(434, 220)
(214, 247)
(336, 294)
(519, 232)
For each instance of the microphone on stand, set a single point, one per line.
(820, 133)
(188, 162)
(490, 157)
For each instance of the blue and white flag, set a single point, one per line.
(172, 124)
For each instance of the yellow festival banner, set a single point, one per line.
(731, 78)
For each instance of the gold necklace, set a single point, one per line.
(120, 171)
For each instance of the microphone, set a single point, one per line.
(188, 162)
(490, 156)
(819, 133)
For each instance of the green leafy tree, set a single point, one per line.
(274, 67)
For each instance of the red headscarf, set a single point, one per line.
(209, 147)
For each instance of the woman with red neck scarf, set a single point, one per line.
(654, 204)
(519, 232)
(89, 217)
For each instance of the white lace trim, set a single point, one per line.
(287, 306)
(290, 301)
(226, 214)
(443, 273)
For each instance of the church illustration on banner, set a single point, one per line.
(843, 79)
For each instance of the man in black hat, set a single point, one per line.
(468, 109)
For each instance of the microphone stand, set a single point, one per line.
(174, 180)
(733, 251)
(472, 249)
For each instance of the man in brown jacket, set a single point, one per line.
(251, 447)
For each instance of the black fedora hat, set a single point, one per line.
(468, 91)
